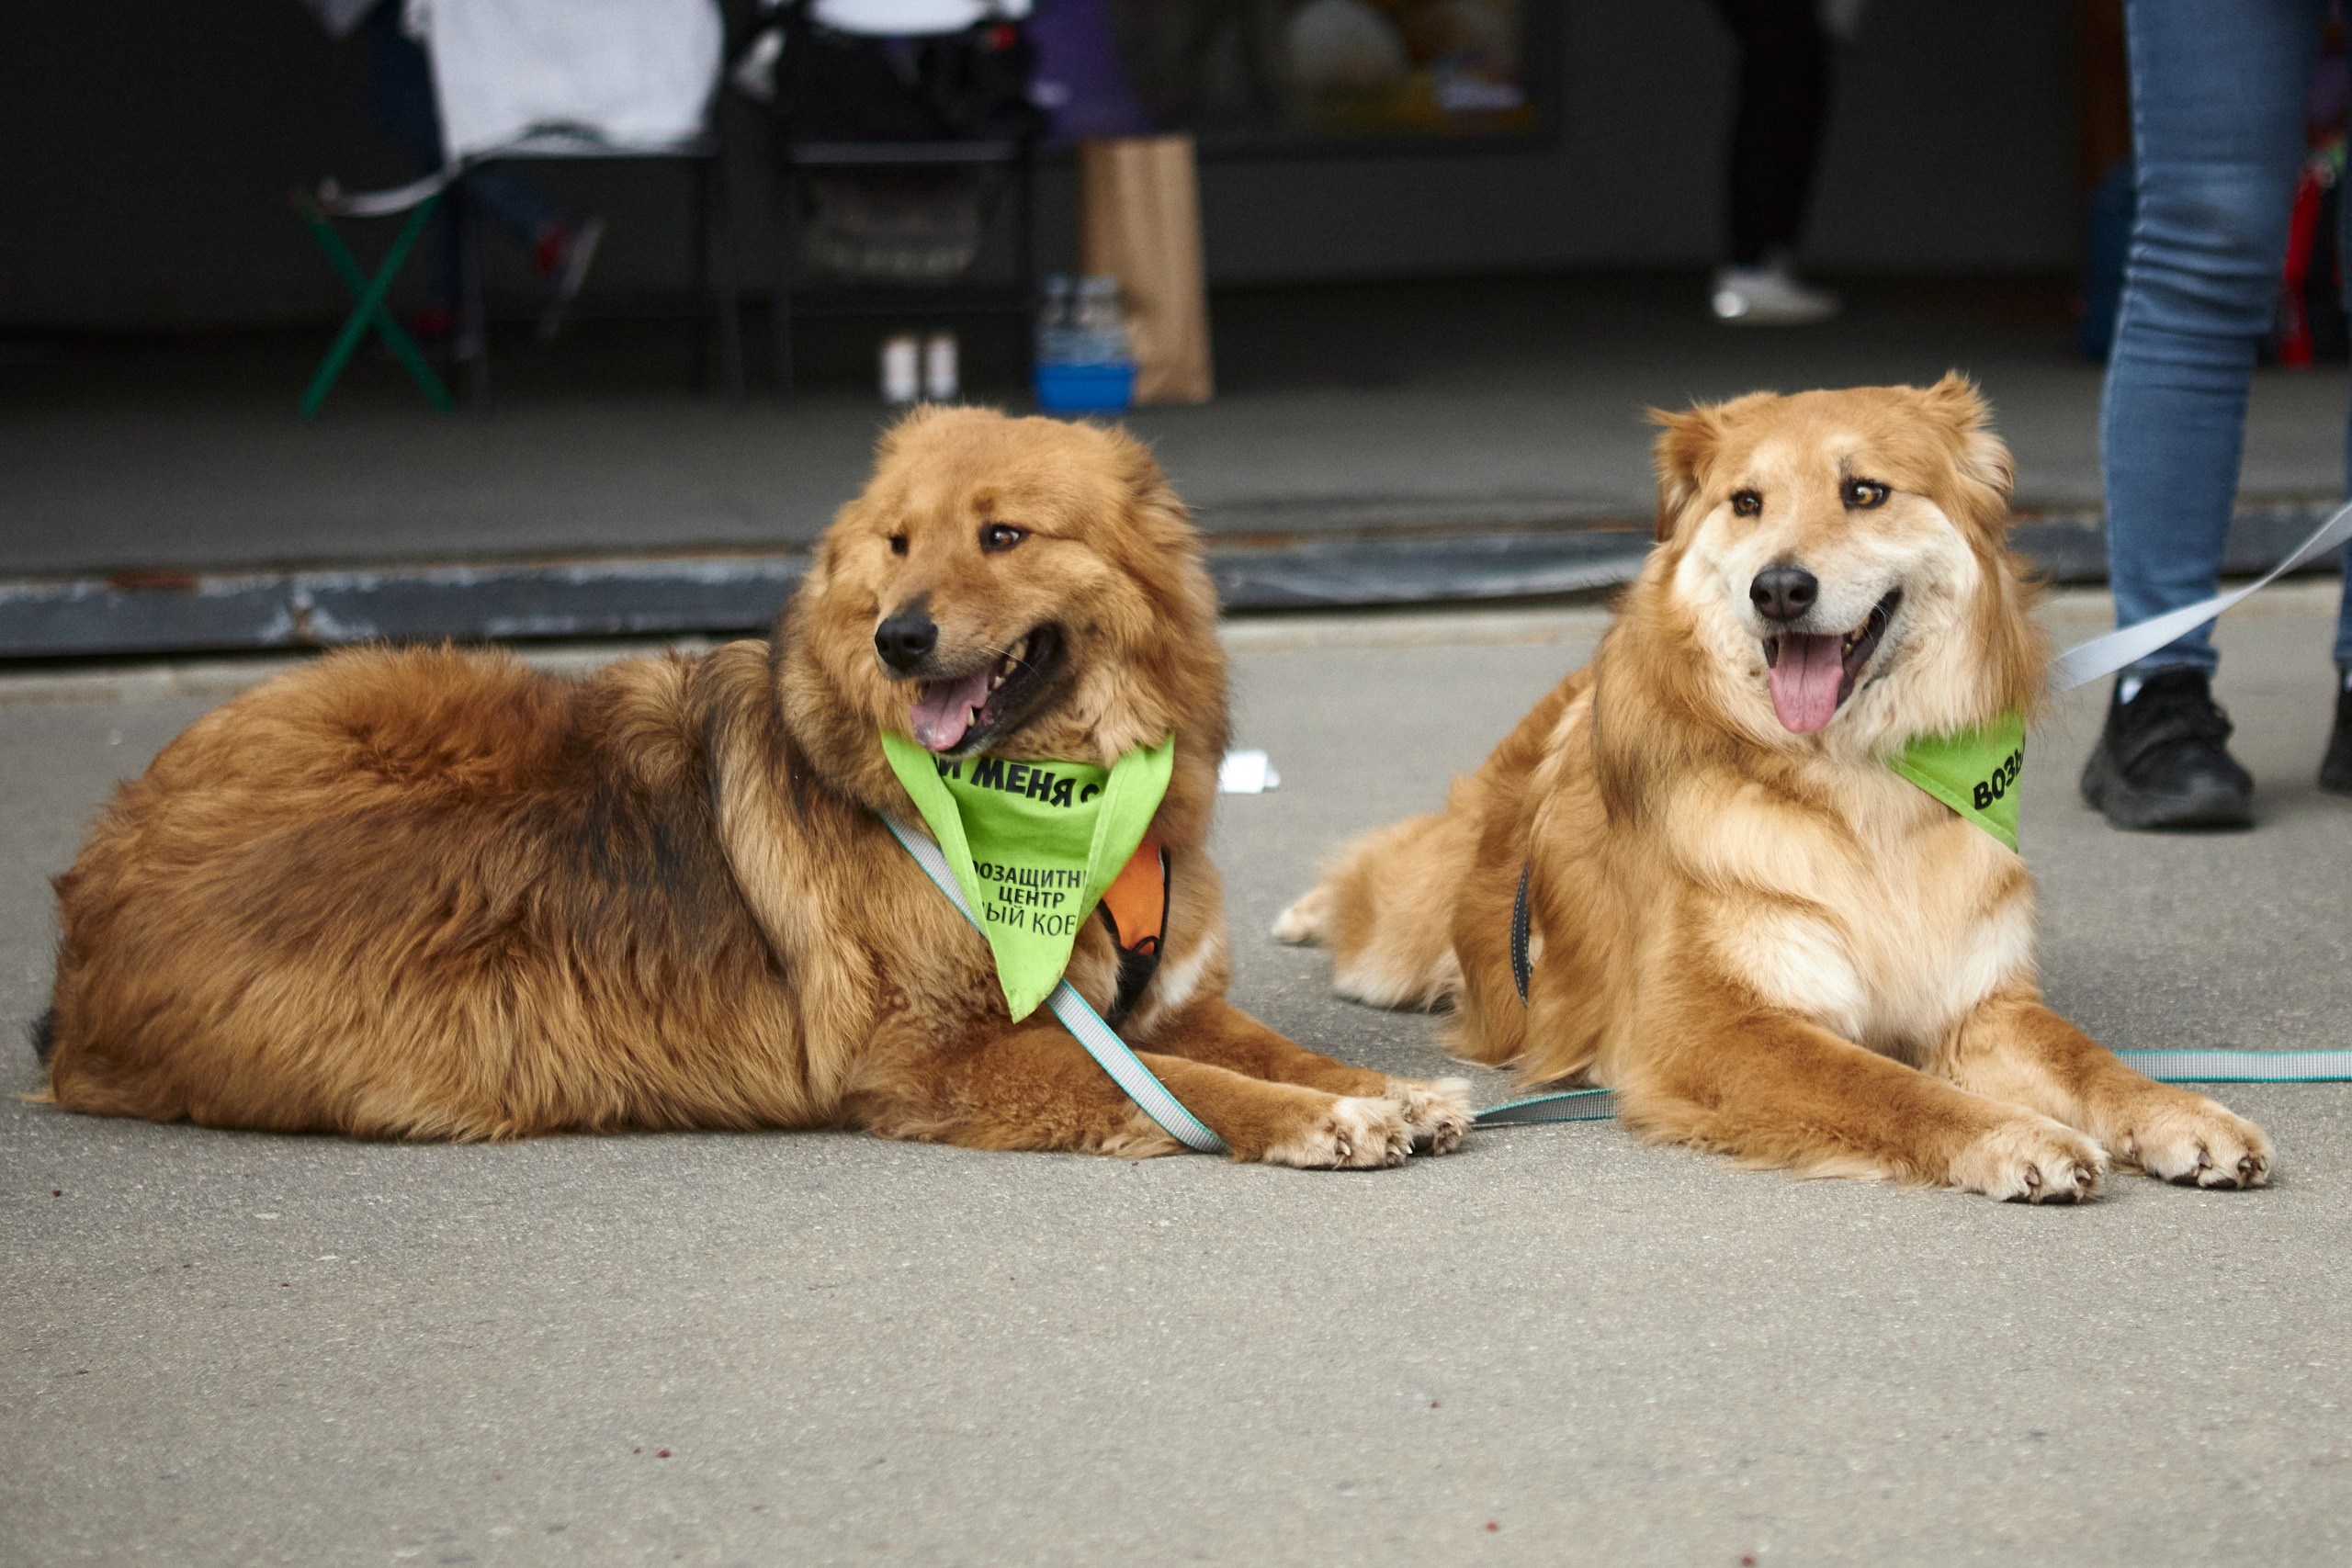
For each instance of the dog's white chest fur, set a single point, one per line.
(1887, 938)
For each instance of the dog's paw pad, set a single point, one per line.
(2035, 1161)
(1437, 1111)
(1349, 1135)
(2195, 1143)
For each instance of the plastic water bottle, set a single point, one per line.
(1102, 325)
(1085, 363)
(1055, 338)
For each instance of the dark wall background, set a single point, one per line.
(150, 148)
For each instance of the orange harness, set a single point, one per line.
(1135, 908)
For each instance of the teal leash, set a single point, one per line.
(1102, 1042)
(1567, 1105)
(2164, 1066)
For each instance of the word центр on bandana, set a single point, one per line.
(1033, 844)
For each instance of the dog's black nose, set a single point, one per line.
(906, 640)
(1782, 593)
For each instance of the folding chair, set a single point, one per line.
(715, 294)
(552, 79)
(318, 210)
(801, 151)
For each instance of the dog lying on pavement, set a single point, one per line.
(433, 893)
(1734, 904)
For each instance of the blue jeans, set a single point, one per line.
(399, 85)
(2217, 109)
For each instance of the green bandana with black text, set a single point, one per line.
(1032, 845)
(1974, 772)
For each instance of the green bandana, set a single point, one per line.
(1032, 845)
(1974, 773)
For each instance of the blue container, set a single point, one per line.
(1085, 389)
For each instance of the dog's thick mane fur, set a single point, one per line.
(435, 893)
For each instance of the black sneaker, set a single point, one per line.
(2163, 761)
(2336, 768)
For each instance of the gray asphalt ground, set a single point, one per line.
(1464, 402)
(1554, 1347)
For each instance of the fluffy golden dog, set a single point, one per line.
(1769, 943)
(435, 894)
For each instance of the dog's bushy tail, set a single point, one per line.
(1385, 907)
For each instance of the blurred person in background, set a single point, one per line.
(399, 89)
(2218, 95)
(1775, 149)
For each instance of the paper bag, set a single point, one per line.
(1140, 223)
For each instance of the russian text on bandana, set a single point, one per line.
(1032, 845)
(1974, 772)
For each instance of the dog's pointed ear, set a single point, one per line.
(1687, 443)
(1983, 460)
(1157, 506)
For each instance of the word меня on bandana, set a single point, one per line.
(1032, 845)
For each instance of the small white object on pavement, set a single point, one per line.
(1246, 773)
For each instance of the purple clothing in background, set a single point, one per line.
(1079, 81)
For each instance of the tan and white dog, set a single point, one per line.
(1740, 917)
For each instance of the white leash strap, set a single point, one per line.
(1102, 1041)
(2106, 655)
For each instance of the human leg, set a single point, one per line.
(2217, 95)
(399, 89)
(2335, 763)
(1776, 135)
(1776, 143)
(399, 86)
(2217, 110)
(2343, 608)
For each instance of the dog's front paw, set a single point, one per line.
(1437, 1111)
(1351, 1134)
(2031, 1160)
(2188, 1140)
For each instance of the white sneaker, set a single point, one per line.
(1769, 294)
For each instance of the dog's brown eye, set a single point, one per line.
(996, 536)
(1865, 493)
(1747, 502)
(898, 544)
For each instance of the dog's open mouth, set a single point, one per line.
(1812, 675)
(964, 712)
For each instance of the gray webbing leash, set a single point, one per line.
(1102, 1041)
(2078, 665)
(2105, 655)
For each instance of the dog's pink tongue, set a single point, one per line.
(943, 712)
(1804, 682)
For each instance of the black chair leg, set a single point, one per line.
(1025, 256)
(720, 281)
(699, 332)
(473, 324)
(783, 240)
